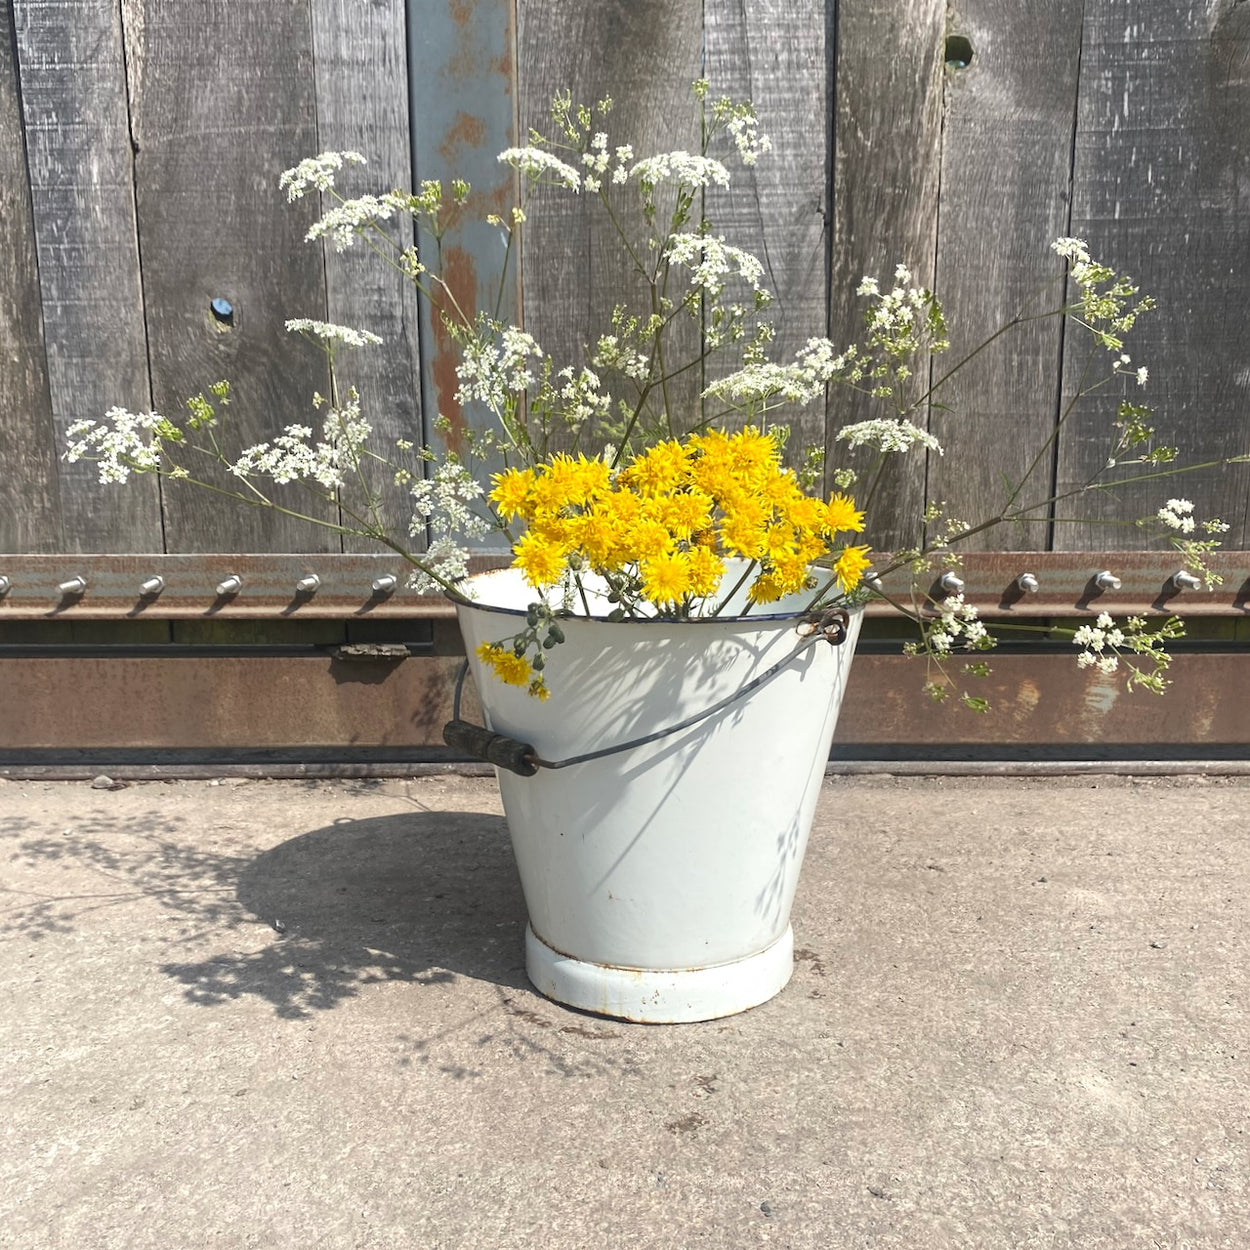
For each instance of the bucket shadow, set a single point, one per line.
(421, 898)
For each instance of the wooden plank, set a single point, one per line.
(644, 54)
(1006, 168)
(29, 499)
(887, 147)
(73, 94)
(778, 54)
(362, 104)
(222, 101)
(1161, 190)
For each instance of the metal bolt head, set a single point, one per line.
(1182, 579)
(230, 586)
(1107, 580)
(73, 586)
(5, 586)
(1028, 583)
(385, 584)
(308, 585)
(152, 587)
(951, 582)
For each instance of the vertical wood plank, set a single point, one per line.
(1162, 191)
(887, 149)
(29, 505)
(1006, 167)
(73, 92)
(779, 55)
(222, 101)
(362, 104)
(645, 54)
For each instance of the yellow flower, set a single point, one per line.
(666, 577)
(849, 567)
(843, 515)
(541, 561)
(511, 492)
(660, 470)
(706, 571)
(510, 668)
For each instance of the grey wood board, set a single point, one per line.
(575, 271)
(887, 157)
(222, 102)
(779, 55)
(1006, 169)
(73, 93)
(360, 53)
(1162, 191)
(29, 500)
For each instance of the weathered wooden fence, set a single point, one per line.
(140, 144)
(147, 251)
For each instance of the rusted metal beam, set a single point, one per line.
(269, 586)
(236, 703)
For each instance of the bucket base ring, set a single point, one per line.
(663, 996)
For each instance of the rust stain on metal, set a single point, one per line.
(461, 12)
(465, 131)
(460, 274)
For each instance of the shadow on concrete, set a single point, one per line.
(422, 898)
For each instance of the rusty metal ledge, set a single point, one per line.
(268, 586)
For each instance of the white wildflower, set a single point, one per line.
(869, 286)
(541, 165)
(118, 443)
(711, 260)
(316, 172)
(681, 167)
(328, 332)
(887, 434)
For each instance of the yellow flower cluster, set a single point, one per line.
(661, 528)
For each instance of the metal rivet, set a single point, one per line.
(872, 579)
(308, 585)
(1027, 583)
(5, 586)
(231, 586)
(223, 310)
(385, 584)
(1184, 580)
(74, 586)
(951, 582)
(1107, 580)
(152, 587)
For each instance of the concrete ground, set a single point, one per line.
(281, 1014)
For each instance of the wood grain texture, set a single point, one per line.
(887, 149)
(360, 54)
(1162, 191)
(1006, 166)
(779, 55)
(29, 500)
(222, 102)
(644, 54)
(73, 92)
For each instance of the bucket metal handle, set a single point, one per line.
(829, 625)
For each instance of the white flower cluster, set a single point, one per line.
(316, 172)
(117, 443)
(744, 130)
(1124, 365)
(1096, 639)
(581, 397)
(443, 507)
(539, 164)
(814, 366)
(293, 457)
(681, 167)
(611, 353)
(345, 221)
(887, 434)
(1177, 514)
(488, 370)
(958, 624)
(597, 161)
(328, 332)
(711, 260)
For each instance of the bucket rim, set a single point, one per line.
(791, 614)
